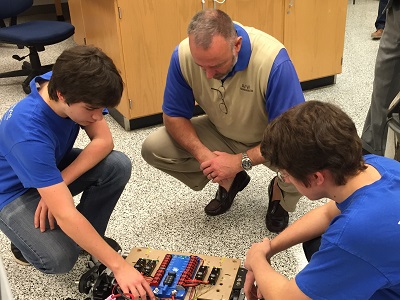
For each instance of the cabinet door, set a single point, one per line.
(150, 30)
(75, 10)
(314, 36)
(266, 15)
(102, 30)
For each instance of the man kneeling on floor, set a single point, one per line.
(315, 146)
(40, 170)
(242, 78)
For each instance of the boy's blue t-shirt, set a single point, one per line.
(359, 256)
(33, 141)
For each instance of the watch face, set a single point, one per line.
(246, 164)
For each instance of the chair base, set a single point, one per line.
(28, 71)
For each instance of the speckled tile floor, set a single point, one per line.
(159, 212)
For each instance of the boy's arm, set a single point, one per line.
(60, 202)
(100, 145)
(272, 284)
(311, 225)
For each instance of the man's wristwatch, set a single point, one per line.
(246, 162)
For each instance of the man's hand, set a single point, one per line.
(222, 167)
(131, 281)
(42, 214)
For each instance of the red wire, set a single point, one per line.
(191, 285)
(196, 281)
(124, 294)
(112, 291)
(191, 294)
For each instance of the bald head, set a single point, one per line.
(208, 23)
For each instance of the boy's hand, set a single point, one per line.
(256, 252)
(250, 289)
(42, 214)
(131, 281)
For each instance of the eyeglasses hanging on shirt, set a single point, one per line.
(221, 95)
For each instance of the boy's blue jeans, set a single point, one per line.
(53, 251)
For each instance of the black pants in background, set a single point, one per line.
(311, 246)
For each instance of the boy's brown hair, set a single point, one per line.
(86, 74)
(313, 136)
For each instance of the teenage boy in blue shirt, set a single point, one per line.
(40, 171)
(315, 146)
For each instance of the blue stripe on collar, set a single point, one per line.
(245, 50)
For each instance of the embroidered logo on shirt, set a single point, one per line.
(9, 112)
(246, 88)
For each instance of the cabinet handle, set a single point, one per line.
(291, 4)
(219, 2)
(202, 4)
(119, 12)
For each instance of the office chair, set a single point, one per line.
(34, 35)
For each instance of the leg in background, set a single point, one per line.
(385, 87)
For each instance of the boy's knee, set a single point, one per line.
(122, 164)
(60, 263)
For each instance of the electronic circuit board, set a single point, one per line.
(183, 276)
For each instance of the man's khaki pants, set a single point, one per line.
(162, 152)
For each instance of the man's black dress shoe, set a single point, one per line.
(223, 200)
(277, 218)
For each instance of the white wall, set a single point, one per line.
(5, 290)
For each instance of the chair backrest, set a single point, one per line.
(12, 8)
(394, 108)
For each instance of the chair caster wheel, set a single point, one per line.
(26, 65)
(26, 88)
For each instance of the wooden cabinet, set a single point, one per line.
(150, 31)
(314, 36)
(101, 22)
(75, 11)
(141, 35)
(266, 15)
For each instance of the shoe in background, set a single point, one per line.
(376, 35)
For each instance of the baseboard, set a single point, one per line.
(317, 83)
(157, 118)
(144, 121)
